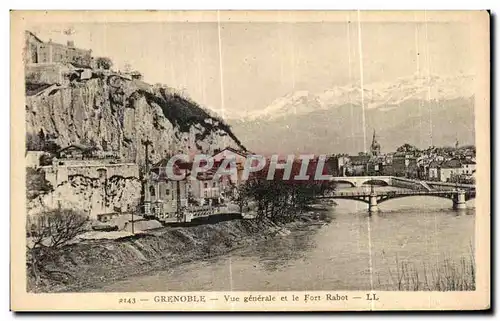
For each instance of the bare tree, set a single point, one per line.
(49, 232)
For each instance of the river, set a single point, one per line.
(354, 251)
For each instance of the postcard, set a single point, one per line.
(250, 160)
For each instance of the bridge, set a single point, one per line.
(373, 198)
(355, 181)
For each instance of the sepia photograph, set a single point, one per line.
(239, 160)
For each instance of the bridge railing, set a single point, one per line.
(435, 184)
(394, 192)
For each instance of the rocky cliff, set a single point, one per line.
(117, 114)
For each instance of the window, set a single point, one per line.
(152, 191)
(213, 184)
(205, 185)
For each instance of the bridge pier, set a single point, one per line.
(459, 200)
(373, 206)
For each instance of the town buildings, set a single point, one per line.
(166, 197)
(358, 165)
(404, 165)
(456, 170)
(337, 165)
(444, 164)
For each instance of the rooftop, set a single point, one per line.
(234, 150)
(456, 163)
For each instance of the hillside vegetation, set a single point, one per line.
(114, 113)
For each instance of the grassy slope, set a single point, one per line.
(92, 263)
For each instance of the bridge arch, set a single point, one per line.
(342, 181)
(376, 181)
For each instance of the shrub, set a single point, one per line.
(36, 184)
(184, 113)
(104, 63)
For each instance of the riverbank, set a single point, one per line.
(91, 264)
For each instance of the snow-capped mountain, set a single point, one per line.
(299, 102)
(375, 95)
(421, 111)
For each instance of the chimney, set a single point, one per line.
(71, 43)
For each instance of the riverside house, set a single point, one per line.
(456, 168)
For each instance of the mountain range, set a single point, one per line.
(420, 110)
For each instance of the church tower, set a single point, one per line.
(375, 147)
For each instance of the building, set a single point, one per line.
(357, 165)
(239, 157)
(32, 43)
(468, 166)
(375, 146)
(206, 189)
(231, 153)
(404, 165)
(372, 163)
(163, 196)
(39, 52)
(455, 170)
(32, 158)
(433, 171)
(336, 165)
(375, 166)
(82, 154)
(77, 151)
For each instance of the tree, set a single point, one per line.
(51, 146)
(36, 142)
(48, 232)
(36, 184)
(104, 63)
(104, 144)
(32, 142)
(45, 160)
(41, 137)
(407, 148)
(281, 199)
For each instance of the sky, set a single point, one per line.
(239, 67)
